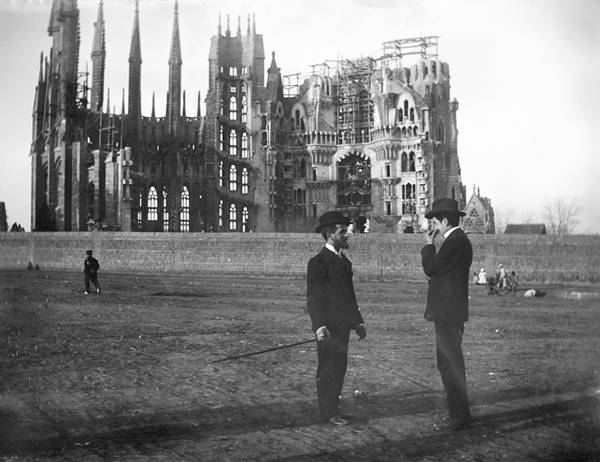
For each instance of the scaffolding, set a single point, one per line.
(354, 104)
(291, 85)
(394, 51)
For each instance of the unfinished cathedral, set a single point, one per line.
(370, 137)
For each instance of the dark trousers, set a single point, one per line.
(333, 360)
(91, 277)
(451, 364)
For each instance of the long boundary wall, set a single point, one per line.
(375, 256)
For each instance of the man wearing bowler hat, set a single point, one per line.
(447, 302)
(333, 310)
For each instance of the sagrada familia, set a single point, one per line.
(369, 137)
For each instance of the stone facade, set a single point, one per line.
(370, 137)
(479, 218)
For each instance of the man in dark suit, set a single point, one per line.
(333, 310)
(448, 302)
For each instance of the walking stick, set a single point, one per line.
(281, 347)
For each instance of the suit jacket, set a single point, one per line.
(448, 271)
(330, 296)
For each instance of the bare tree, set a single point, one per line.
(501, 218)
(560, 216)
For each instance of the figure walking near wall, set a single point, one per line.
(90, 270)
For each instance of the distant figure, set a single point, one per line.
(30, 266)
(491, 287)
(90, 270)
(511, 282)
(501, 277)
(482, 278)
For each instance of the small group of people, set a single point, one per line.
(502, 281)
(334, 311)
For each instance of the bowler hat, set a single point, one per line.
(330, 218)
(89, 252)
(444, 206)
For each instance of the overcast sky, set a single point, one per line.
(526, 74)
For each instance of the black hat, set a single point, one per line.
(332, 218)
(89, 252)
(444, 206)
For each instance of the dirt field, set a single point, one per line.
(128, 374)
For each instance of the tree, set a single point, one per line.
(560, 216)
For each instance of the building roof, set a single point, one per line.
(525, 228)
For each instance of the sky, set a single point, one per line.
(525, 74)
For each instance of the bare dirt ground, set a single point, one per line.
(128, 374)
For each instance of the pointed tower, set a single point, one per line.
(135, 79)
(98, 62)
(174, 95)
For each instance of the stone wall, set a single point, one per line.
(375, 256)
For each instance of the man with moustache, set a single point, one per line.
(447, 302)
(332, 306)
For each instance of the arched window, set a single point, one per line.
(221, 139)
(232, 218)
(245, 152)
(297, 118)
(408, 199)
(404, 163)
(244, 180)
(245, 220)
(184, 212)
(152, 204)
(165, 210)
(405, 107)
(220, 213)
(233, 108)
(354, 181)
(232, 178)
(232, 143)
(303, 168)
(411, 162)
(400, 116)
(221, 174)
(244, 108)
(412, 114)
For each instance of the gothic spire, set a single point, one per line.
(227, 31)
(135, 51)
(98, 61)
(174, 94)
(135, 78)
(153, 113)
(175, 55)
(199, 114)
(239, 29)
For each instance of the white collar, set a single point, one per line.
(328, 246)
(450, 231)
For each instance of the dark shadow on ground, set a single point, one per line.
(202, 422)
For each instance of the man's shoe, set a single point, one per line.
(85, 292)
(97, 291)
(338, 421)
